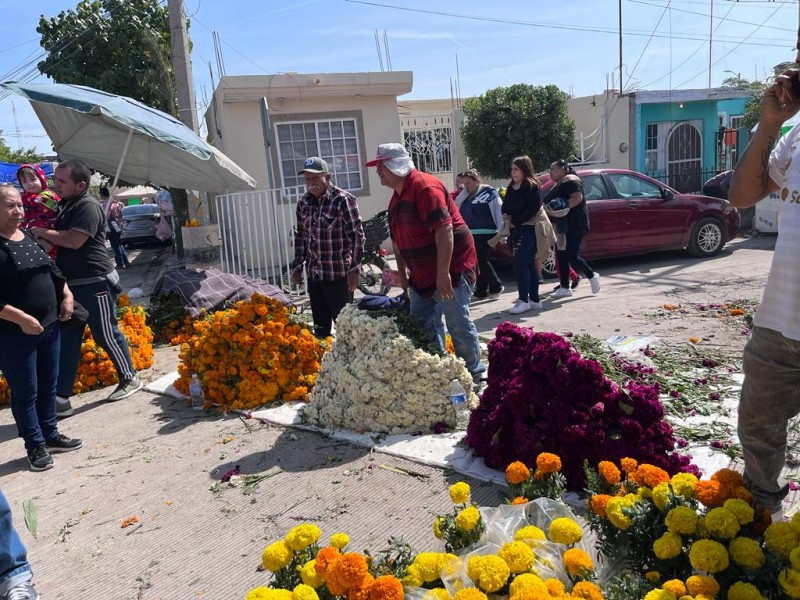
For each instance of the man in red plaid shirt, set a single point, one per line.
(329, 242)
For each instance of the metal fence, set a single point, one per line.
(688, 181)
(429, 141)
(257, 231)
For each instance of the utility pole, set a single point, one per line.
(620, 46)
(184, 87)
(710, 37)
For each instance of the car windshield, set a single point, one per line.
(141, 209)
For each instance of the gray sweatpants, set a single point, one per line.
(770, 398)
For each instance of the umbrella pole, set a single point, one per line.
(125, 151)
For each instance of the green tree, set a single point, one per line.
(23, 155)
(521, 119)
(119, 46)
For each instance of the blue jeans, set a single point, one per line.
(120, 256)
(100, 300)
(569, 258)
(462, 330)
(30, 365)
(14, 566)
(768, 401)
(524, 251)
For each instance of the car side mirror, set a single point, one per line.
(667, 194)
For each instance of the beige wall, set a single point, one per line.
(588, 113)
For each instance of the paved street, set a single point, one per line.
(153, 458)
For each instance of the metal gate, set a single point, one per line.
(685, 158)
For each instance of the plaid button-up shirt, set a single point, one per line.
(329, 239)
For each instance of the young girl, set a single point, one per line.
(40, 202)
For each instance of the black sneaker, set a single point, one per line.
(62, 443)
(63, 408)
(575, 282)
(126, 388)
(40, 459)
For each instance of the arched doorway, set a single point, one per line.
(685, 158)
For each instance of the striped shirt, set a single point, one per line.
(780, 307)
(329, 238)
(422, 207)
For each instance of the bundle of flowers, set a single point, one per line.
(376, 378)
(168, 319)
(701, 538)
(546, 481)
(251, 354)
(542, 396)
(95, 369)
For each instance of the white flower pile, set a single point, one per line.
(374, 379)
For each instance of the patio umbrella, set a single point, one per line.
(116, 134)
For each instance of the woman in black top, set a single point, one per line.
(569, 186)
(30, 311)
(522, 202)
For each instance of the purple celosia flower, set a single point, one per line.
(714, 396)
(228, 474)
(681, 443)
(709, 362)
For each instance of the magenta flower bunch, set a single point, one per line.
(542, 396)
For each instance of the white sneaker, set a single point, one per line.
(519, 308)
(496, 295)
(562, 292)
(536, 305)
(595, 282)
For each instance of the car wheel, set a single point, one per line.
(549, 265)
(708, 238)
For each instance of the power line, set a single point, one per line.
(700, 14)
(650, 39)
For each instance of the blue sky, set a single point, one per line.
(570, 43)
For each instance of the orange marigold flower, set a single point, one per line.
(650, 475)
(628, 465)
(728, 477)
(325, 558)
(517, 472)
(548, 463)
(742, 493)
(520, 500)
(349, 569)
(710, 493)
(386, 587)
(598, 504)
(361, 591)
(694, 340)
(609, 472)
(587, 590)
(736, 312)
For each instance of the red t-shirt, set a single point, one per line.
(414, 216)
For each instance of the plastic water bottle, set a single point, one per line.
(458, 398)
(196, 392)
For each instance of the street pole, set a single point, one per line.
(710, 37)
(620, 47)
(184, 87)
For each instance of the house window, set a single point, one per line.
(736, 122)
(651, 148)
(336, 142)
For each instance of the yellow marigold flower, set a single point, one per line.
(437, 527)
(653, 577)
(276, 556)
(264, 593)
(527, 581)
(555, 587)
(789, 579)
(565, 531)
(576, 561)
(746, 552)
(781, 538)
(470, 594)
(629, 465)
(609, 472)
(794, 558)
(744, 591)
(702, 585)
(518, 556)
(660, 595)
(437, 594)
(386, 587)
(645, 492)
(517, 472)
(428, 565)
(615, 511)
(308, 573)
(304, 592)
(340, 540)
(531, 595)
(413, 576)
(530, 534)
(722, 523)
(548, 463)
(676, 586)
(468, 519)
(489, 572)
(661, 495)
(668, 546)
(587, 590)
(681, 520)
(708, 556)
(302, 536)
(795, 522)
(742, 510)
(459, 493)
(683, 484)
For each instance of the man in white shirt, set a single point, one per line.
(771, 391)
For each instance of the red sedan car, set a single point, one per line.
(630, 213)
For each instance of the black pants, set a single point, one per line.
(327, 298)
(569, 258)
(488, 281)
